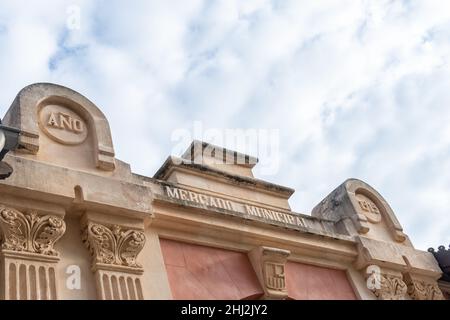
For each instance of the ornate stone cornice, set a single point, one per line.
(30, 232)
(113, 246)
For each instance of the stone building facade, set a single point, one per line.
(76, 223)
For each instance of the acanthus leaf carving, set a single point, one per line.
(30, 232)
(423, 290)
(391, 287)
(114, 246)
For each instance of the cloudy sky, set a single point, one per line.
(349, 88)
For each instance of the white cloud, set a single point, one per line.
(357, 88)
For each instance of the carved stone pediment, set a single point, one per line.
(113, 245)
(30, 232)
(65, 117)
(365, 207)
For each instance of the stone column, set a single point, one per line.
(28, 259)
(114, 249)
(269, 265)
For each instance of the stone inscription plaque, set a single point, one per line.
(62, 124)
(368, 208)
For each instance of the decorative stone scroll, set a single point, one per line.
(391, 287)
(30, 232)
(114, 251)
(423, 289)
(113, 245)
(28, 257)
(269, 265)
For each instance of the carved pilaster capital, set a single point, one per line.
(392, 288)
(423, 289)
(30, 232)
(113, 246)
(386, 284)
(269, 265)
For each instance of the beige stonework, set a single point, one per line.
(389, 285)
(30, 232)
(114, 250)
(269, 265)
(421, 288)
(28, 257)
(71, 209)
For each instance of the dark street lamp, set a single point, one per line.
(9, 140)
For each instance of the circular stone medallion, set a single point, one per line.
(63, 125)
(368, 208)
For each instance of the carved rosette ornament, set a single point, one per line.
(30, 232)
(391, 287)
(114, 246)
